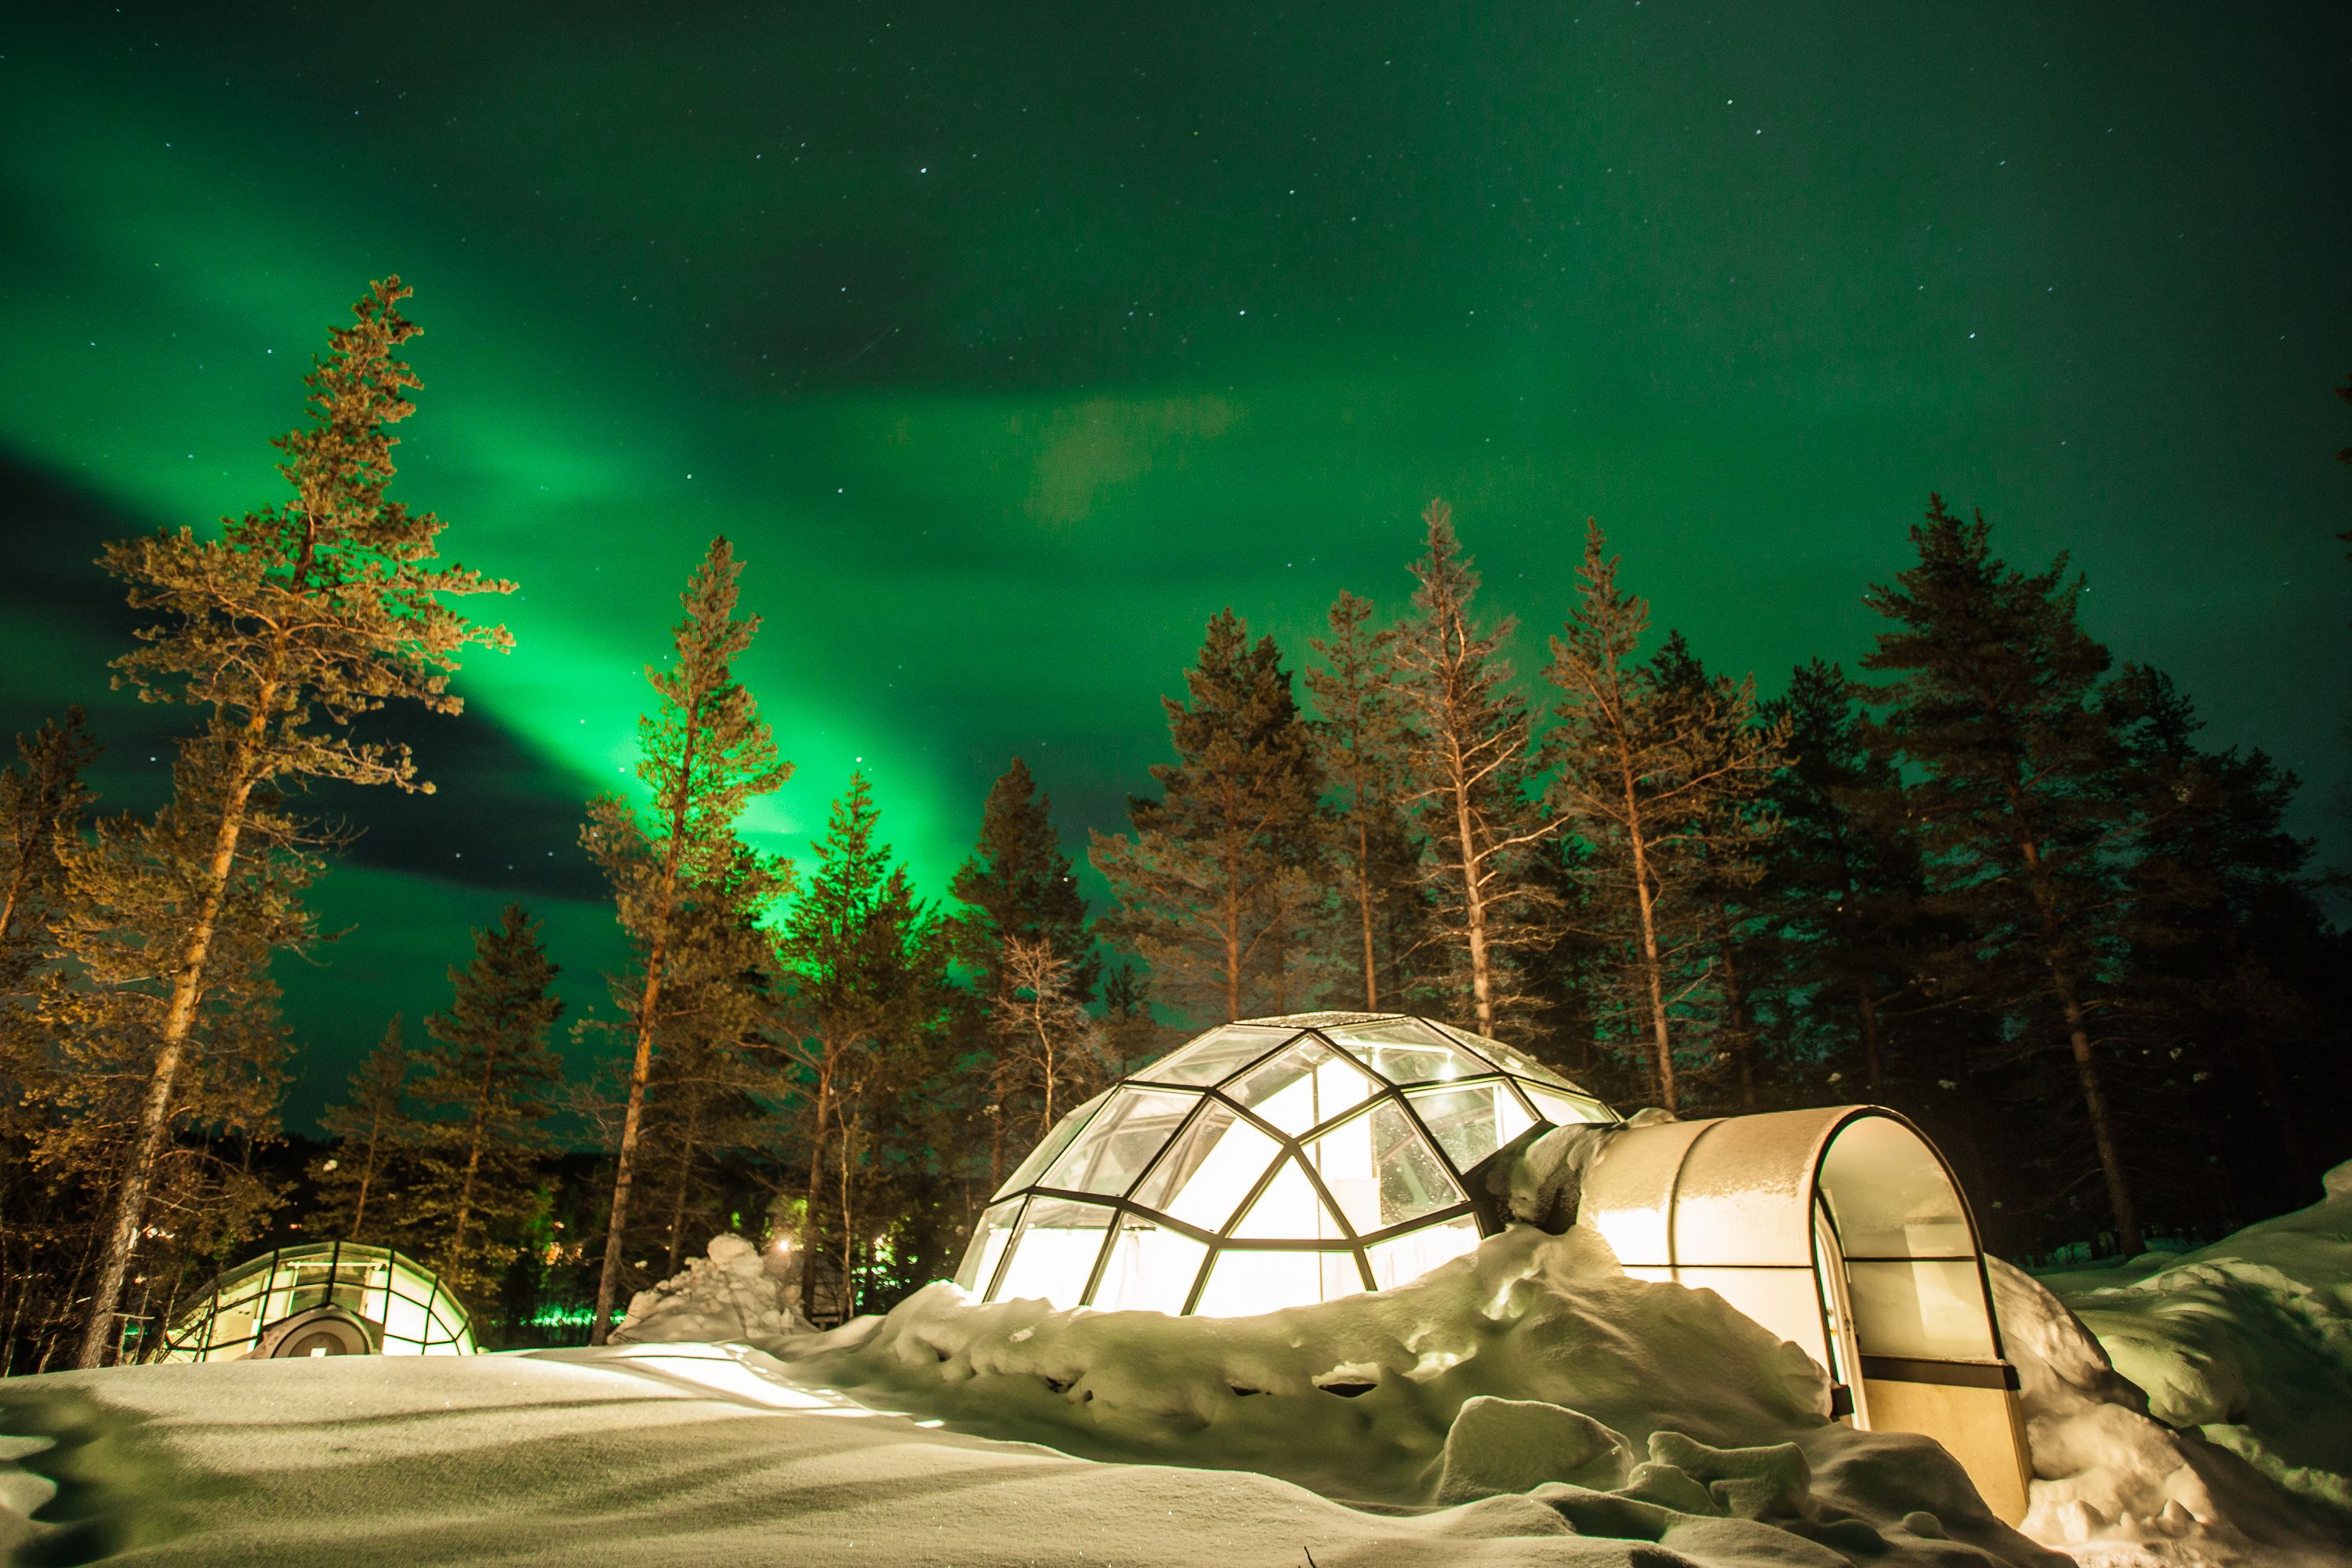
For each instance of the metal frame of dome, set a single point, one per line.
(1129, 1159)
(261, 1308)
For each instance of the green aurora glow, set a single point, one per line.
(1009, 352)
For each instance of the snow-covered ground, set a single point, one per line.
(1527, 1403)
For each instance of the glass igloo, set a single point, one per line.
(1268, 1163)
(328, 1298)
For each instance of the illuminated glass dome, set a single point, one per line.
(1268, 1163)
(330, 1298)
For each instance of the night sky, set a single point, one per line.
(1008, 343)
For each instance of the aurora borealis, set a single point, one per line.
(1009, 345)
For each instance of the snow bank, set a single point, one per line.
(1532, 1367)
(733, 1294)
(2195, 1409)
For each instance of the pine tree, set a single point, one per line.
(297, 621)
(1468, 762)
(1654, 770)
(2221, 936)
(374, 1142)
(1017, 886)
(714, 1057)
(122, 927)
(1018, 882)
(1727, 827)
(867, 965)
(2021, 812)
(704, 755)
(488, 1082)
(1844, 883)
(42, 804)
(1212, 885)
(1360, 739)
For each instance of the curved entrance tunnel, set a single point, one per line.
(1843, 1231)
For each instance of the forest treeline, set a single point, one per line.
(1990, 876)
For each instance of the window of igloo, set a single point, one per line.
(1267, 1163)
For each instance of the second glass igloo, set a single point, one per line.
(1267, 1163)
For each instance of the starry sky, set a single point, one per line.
(1008, 343)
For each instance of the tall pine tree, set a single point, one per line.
(297, 621)
(704, 754)
(374, 1145)
(1359, 738)
(1211, 884)
(1654, 769)
(489, 1083)
(2022, 809)
(1469, 763)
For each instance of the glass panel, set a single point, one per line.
(1564, 1111)
(1054, 1251)
(1472, 1122)
(988, 1242)
(1512, 1061)
(1406, 1050)
(1289, 1210)
(1380, 1172)
(1210, 1168)
(1216, 1055)
(1889, 1195)
(1931, 1308)
(1151, 1268)
(1120, 1141)
(1056, 1142)
(1416, 1252)
(1243, 1284)
(1305, 1086)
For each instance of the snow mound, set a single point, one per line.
(2207, 1421)
(730, 1294)
(1531, 1372)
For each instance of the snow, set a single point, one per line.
(734, 1293)
(1525, 1403)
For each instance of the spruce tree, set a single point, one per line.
(1017, 886)
(2019, 798)
(489, 1083)
(1843, 881)
(374, 1145)
(1469, 761)
(1213, 884)
(714, 1057)
(2217, 1002)
(1018, 882)
(704, 754)
(1654, 769)
(1359, 738)
(867, 963)
(294, 622)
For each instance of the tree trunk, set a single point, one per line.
(685, 1181)
(809, 1249)
(130, 1211)
(1652, 961)
(608, 1284)
(465, 1188)
(1743, 1033)
(1474, 905)
(1364, 906)
(2086, 1067)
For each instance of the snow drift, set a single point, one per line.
(1526, 1404)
